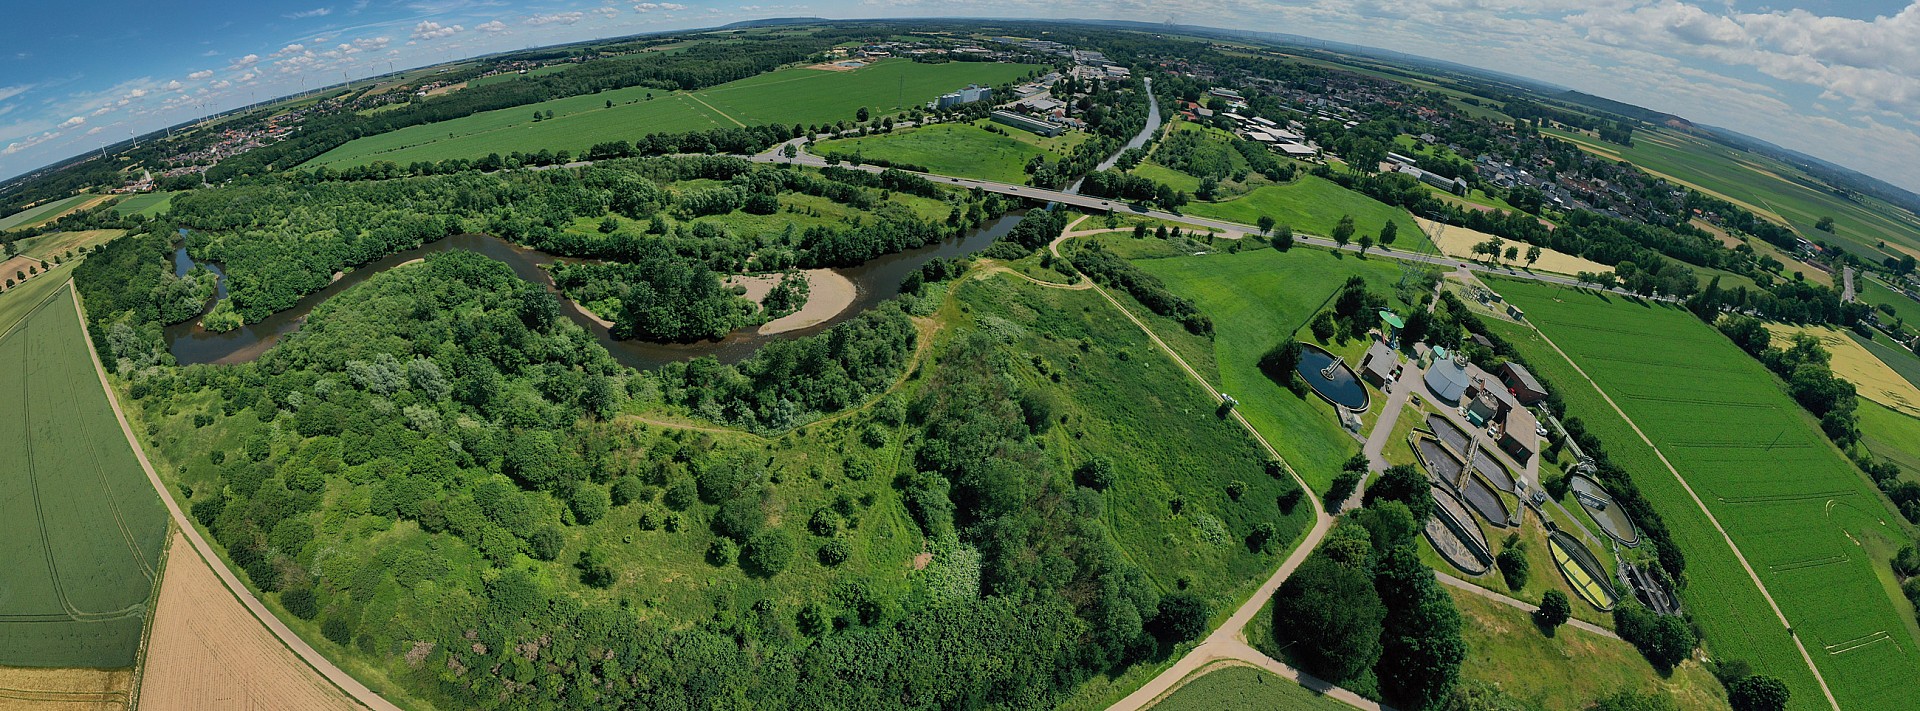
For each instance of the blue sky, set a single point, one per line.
(1836, 79)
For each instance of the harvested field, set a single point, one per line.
(64, 689)
(59, 243)
(1458, 242)
(1876, 380)
(45, 212)
(207, 651)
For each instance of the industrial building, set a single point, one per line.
(1025, 123)
(972, 93)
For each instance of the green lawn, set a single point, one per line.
(1257, 298)
(1763, 185)
(36, 215)
(1314, 205)
(786, 96)
(964, 150)
(1891, 436)
(1243, 688)
(83, 528)
(144, 205)
(1567, 671)
(1810, 524)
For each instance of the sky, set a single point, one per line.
(1839, 80)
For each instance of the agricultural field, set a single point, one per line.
(798, 95)
(85, 527)
(145, 204)
(1872, 291)
(1257, 298)
(1314, 205)
(1810, 525)
(1567, 671)
(1722, 600)
(36, 215)
(960, 149)
(1874, 379)
(1764, 186)
(1235, 687)
(1458, 242)
(206, 650)
(48, 246)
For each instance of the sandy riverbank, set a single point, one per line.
(828, 294)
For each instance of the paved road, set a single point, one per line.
(334, 674)
(1847, 294)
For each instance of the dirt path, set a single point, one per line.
(722, 114)
(1710, 517)
(333, 674)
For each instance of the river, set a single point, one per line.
(875, 281)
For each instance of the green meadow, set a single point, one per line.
(1810, 524)
(1315, 205)
(797, 95)
(959, 149)
(145, 204)
(1244, 688)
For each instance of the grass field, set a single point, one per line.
(1315, 205)
(1234, 687)
(1762, 185)
(962, 149)
(1892, 436)
(145, 204)
(1569, 670)
(786, 96)
(83, 527)
(35, 215)
(1872, 291)
(1812, 527)
(1256, 299)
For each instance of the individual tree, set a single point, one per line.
(1340, 489)
(861, 114)
(545, 543)
(1824, 224)
(1406, 484)
(1280, 363)
(1533, 255)
(767, 553)
(1554, 610)
(834, 552)
(301, 602)
(588, 502)
(1389, 233)
(1758, 693)
(1343, 231)
(1331, 615)
(1513, 254)
(1283, 238)
(1513, 563)
(1266, 223)
(1096, 474)
(1366, 243)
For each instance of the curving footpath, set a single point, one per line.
(360, 693)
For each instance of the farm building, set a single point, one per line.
(1025, 123)
(1520, 381)
(1379, 364)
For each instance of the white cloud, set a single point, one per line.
(372, 43)
(493, 27)
(661, 6)
(289, 50)
(304, 14)
(102, 111)
(173, 85)
(557, 18)
(95, 130)
(202, 74)
(8, 92)
(430, 30)
(243, 62)
(606, 12)
(72, 122)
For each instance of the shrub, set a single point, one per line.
(1183, 617)
(834, 552)
(825, 522)
(301, 602)
(1513, 565)
(720, 552)
(1758, 693)
(337, 630)
(767, 553)
(628, 489)
(682, 492)
(595, 570)
(589, 503)
(1236, 489)
(1095, 474)
(545, 543)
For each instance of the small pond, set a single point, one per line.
(875, 281)
(1331, 378)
